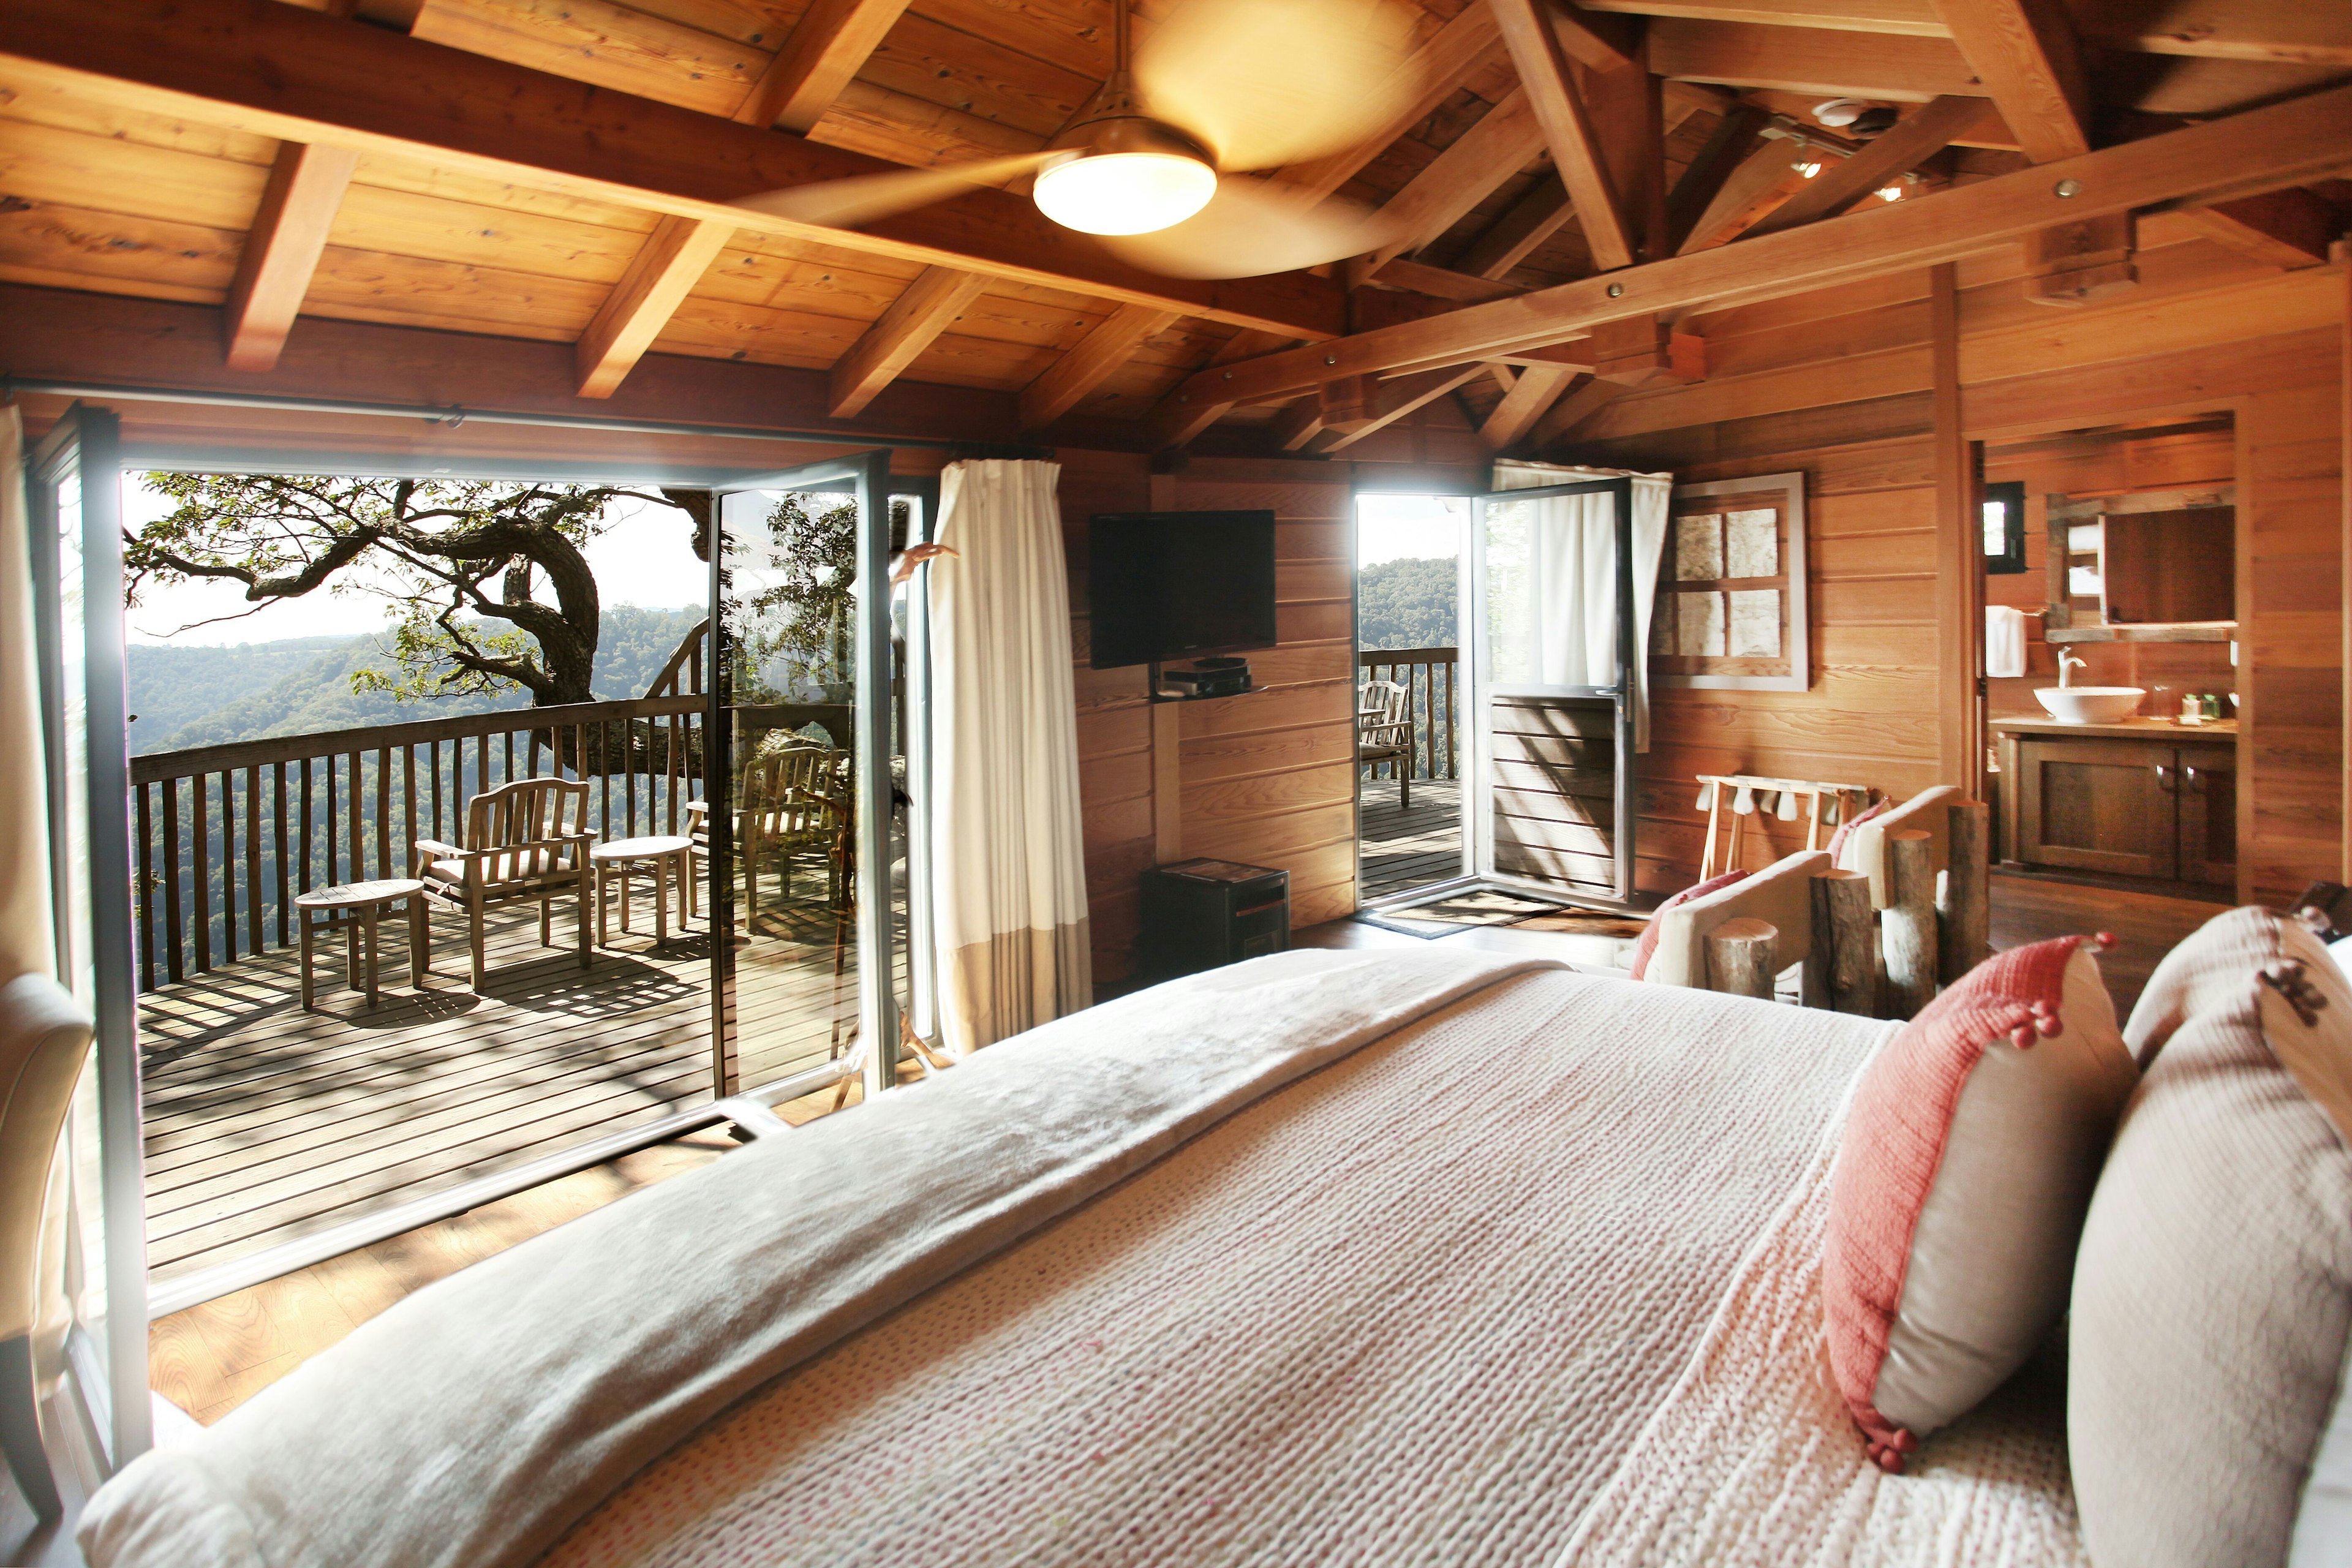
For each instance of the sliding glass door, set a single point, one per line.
(817, 825)
(73, 486)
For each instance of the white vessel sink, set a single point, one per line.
(2090, 704)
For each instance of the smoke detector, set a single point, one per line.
(1839, 112)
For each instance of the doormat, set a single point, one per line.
(1487, 906)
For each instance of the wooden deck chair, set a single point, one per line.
(786, 808)
(1384, 731)
(527, 839)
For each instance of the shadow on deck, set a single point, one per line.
(1408, 847)
(264, 1122)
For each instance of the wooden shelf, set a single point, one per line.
(2151, 631)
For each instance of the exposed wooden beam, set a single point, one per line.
(1644, 351)
(1297, 425)
(1534, 218)
(1088, 366)
(1499, 146)
(1765, 178)
(282, 248)
(1627, 109)
(1703, 178)
(2025, 53)
(2286, 229)
(1916, 18)
(67, 335)
(1442, 283)
(671, 261)
(1452, 56)
(1522, 406)
(1597, 42)
(827, 47)
(1399, 399)
(1177, 418)
(2262, 149)
(1567, 131)
(277, 71)
(917, 316)
(1843, 182)
(2076, 263)
(1572, 411)
(1802, 60)
(1960, 550)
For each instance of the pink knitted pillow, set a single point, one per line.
(1648, 944)
(1968, 1160)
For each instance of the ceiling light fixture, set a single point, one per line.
(1890, 193)
(1126, 174)
(1809, 167)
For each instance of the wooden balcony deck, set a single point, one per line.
(1407, 848)
(265, 1123)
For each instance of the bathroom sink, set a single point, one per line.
(2090, 704)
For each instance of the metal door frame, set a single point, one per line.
(87, 441)
(865, 478)
(1478, 835)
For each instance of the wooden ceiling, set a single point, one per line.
(1539, 115)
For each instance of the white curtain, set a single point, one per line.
(1008, 860)
(1574, 573)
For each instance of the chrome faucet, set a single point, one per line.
(2069, 661)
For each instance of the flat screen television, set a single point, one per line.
(1175, 584)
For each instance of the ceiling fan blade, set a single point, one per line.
(1267, 82)
(1251, 228)
(862, 198)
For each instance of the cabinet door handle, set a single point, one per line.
(2164, 777)
(2196, 785)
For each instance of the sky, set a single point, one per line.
(642, 558)
(1392, 528)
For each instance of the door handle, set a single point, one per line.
(2196, 785)
(2164, 777)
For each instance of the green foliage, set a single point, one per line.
(794, 629)
(1411, 603)
(304, 685)
(452, 557)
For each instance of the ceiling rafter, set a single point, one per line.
(1573, 411)
(828, 46)
(1703, 176)
(1401, 399)
(925, 308)
(282, 247)
(1505, 139)
(1456, 52)
(277, 71)
(1536, 390)
(2264, 149)
(1559, 111)
(1090, 362)
(2288, 228)
(2032, 67)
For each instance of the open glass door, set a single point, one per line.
(1550, 614)
(75, 494)
(816, 779)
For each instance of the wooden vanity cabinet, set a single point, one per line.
(2152, 809)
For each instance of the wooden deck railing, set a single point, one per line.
(228, 837)
(1427, 673)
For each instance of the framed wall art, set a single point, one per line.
(1731, 612)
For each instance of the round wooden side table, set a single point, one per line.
(354, 907)
(668, 858)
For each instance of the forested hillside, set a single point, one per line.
(1405, 604)
(211, 696)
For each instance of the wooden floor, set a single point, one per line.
(265, 1123)
(2147, 926)
(1408, 847)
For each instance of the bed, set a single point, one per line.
(1327, 1257)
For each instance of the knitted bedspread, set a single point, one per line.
(1751, 1458)
(473, 1423)
(1422, 1307)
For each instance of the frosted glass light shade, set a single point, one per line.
(1125, 193)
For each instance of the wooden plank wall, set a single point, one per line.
(1836, 384)
(1268, 778)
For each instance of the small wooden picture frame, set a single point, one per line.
(1731, 612)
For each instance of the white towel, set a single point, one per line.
(2004, 641)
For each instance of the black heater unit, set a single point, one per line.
(1199, 914)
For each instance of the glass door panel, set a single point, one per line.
(1551, 742)
(74, 489)
(809, 834)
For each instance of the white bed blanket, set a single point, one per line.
(1413, 1310)
(1752, 1462)
(473, 1422)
